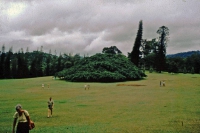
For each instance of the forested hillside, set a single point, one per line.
(184, 54)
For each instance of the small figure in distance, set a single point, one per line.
(87, 87)
(42, 86)
(163, 83)
(23, 119)
(50, 107)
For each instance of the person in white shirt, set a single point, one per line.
(50, 107)
(22, 119)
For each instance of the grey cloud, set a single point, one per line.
(88, 26)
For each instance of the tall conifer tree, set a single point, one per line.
(134, 55)
(161, 50)
(7, 63)
(2, 62)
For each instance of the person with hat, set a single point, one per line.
(22, 119)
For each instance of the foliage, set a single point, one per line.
(111, 50)
(184, 70)
(102, 68)
(134, 55)
(192, 70)
(161, 50)
(193, 63)
(33, 64)
(2, 65)
(150, 60)
(148, 52)
(183, 54)
(175, 65)
(150, 69)
(185, 65)
(148, 46)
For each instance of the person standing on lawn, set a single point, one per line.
(22, 119)
(50, 107)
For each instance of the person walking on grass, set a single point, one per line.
(50, 107)
(163, 83)
(22, 119)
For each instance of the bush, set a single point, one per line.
(102, 68)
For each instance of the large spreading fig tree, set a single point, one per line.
(102, 68)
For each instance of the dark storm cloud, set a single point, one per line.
(86, 26)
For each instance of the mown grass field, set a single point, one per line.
(123, 107)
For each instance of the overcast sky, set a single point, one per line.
(87, 26)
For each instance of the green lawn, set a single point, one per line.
(123, 107)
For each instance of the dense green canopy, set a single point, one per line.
(102, 68)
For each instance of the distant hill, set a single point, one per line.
(183, 54)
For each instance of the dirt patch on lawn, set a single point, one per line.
(130, 85)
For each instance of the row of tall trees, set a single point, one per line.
(33, 64)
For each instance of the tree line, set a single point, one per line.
(146, 54)
(38, 63)
(33, 64)
(172, 64)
